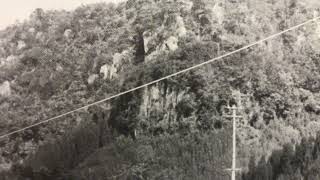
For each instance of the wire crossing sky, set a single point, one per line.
(13, 10)
(165, 77)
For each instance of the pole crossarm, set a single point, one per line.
(230, 116)
(236, 169)
(233, 107)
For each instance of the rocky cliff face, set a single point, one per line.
(264, 129)
(158, 107)
(5, 89)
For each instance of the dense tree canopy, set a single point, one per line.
(59, 60)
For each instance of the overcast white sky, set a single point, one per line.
(12, 10)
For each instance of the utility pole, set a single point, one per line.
(235, 110)
(234, 117)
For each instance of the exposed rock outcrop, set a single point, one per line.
(92, 78)
(119, 62)
(159, 105)
(5, 89)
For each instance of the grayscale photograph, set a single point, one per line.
(159, 89)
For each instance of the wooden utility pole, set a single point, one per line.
(234, 117)
(234, 110)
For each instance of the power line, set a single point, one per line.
(163, 78)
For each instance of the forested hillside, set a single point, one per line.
(59, 60)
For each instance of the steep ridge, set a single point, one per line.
(59, 60)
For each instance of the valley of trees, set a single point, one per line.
(58, 60)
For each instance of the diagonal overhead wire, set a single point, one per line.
(163, 78)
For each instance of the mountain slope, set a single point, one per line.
(60, 60)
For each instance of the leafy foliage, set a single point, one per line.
(59, 60)
(289, 164)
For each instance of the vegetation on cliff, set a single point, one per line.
(58, 60)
